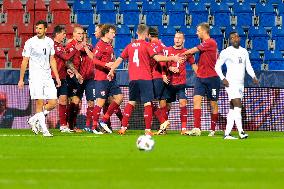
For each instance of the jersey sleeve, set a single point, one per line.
(190, 59)
(151, 51)
(98, 56)
(205, 45)
(248, 66)
(124, 54)
(60, 52)
(220, 61)
(27, 49)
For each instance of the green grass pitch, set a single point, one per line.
(113, 161)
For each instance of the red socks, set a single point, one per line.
(96, 116)
(197, 118)
(183, 116)
(148, 115)
(112, 107)
(62, 115)
(214, 119)
(126, 114)
(89, 115)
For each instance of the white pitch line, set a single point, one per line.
(13, 135)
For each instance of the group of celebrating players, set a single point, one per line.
(156, 73)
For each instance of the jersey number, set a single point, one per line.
(135, 57)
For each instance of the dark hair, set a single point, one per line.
(99, 25)
(205, 26)
(41, 22)
(153, 31)
(106, 28)
(58, 29)
(233, 32)
(142, 28)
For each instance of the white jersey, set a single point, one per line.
(237, 61)
(39, 51)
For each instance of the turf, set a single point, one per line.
(113, 161)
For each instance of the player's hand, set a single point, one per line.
(21, 84)
(255, 81)
(195, 68)
(178, 58)
(79, 46)
(110, 75)
(174, 69)
(226, 82)
(58, 82)
(80, 78)
(109, 64)
(165, 79)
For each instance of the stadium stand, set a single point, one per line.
(36, 11)
(2, 59)
(15, 56)
(60, 12)
(7, 35)
(14, 11)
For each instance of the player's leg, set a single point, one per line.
(238, 117)
(230, 122)
(90, 97)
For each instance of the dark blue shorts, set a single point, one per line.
(141, 91)
(90, 89)
(106, 88)
(63, 89)
(207, 86)
(160, 90)
(76, 89)
(176, 92)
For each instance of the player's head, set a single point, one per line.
(78, 32)
(108, 31)
(203, 30)
(179, 39)
(98, 30)
(85, 37)
(3, 102)
(235, 39)
(153, 33)
(41, 27)
(59, 33)
(142, 31)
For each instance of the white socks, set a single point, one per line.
(238, 118)
(230, 122)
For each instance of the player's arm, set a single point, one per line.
(115, 65)
(161, 58)
(24, 65)
(218, 69)
(250, 70)
(53, 66)
(191, 51)
(70, 66)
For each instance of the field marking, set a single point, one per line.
(31, 135)
(52, 170)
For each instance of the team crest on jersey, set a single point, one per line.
(240, 60)
(58, 48)
(71, 49)
(103, 93)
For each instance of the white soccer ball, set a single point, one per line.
(145, 142)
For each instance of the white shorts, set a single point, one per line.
(42, 89)
(235, 91)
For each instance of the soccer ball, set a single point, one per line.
(145, 142)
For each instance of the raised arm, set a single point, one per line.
(191, 51)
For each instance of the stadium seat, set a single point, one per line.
(123, 37)
(274, 60)
(191, 39)
(199, 13)
(2, 59)
(130, 12)
(266, 14)
(176, 13)
(15, 56)
(256, 60)
(26, 31)
(244, 14)
(39, 11)
(216, 34)
(278, 36)
(84, 12)
(153, 13)
(259, 37)
(167, 34)
(14, 11)
(7, 35)
(60, 11)
(107, 12)
(221, 14)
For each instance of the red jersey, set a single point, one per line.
(180, 77)
(158, 68)
(88, 70)
(207, 58)
(104, 53)
(139, 54)
(77, 59)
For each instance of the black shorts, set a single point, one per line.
(77, 89)
(160, 90)
(63, 89)
(207, 86)
(141, 91)
(176, 92)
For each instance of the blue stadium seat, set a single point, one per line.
(123, 37)
(130, 12)
(266, 14)
(176, 13)
(255, 60)
(191, 39)
(198, 12)
(244, 14)
(167, 35)
(278, 36)
(259, 38)
(107, 12)
(216, 34)
(274, 60)
(84, 12)
(221, 14)
(153, 13)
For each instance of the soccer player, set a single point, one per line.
(61, 57)
(177, 79)
(39, 54)
(159, 79)
(103, 59)
(237, 62)
(207, 81)
(139, 54)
